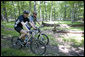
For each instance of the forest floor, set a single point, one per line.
(60, 44)
(64, 48)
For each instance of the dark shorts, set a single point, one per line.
(18, 29)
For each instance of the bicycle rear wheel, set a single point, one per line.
(15, 43)
(38, 47)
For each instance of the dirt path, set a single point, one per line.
(64, 48)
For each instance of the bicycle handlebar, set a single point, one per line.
(38, 29)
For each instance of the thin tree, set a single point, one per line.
(51, 11)
(54, 13)
(5, 10)
(65, 12)
(46, 10)
(14, 10)
(34, 5)
(30, 6)
(19, 7)
(40, 11)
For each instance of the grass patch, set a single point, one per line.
(76, 28)
(8, 25)
(76, 40)
(77, 43)
(15, 52)
(9, 32)
(4, 22)
(52, 40)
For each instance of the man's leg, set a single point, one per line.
(27, 33)
(23, 33)
(22, 36)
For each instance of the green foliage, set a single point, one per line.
(77, 7)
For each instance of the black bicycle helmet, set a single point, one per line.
(26, 12)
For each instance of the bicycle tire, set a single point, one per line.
(15, 44)
(34, 48)
(47, 39)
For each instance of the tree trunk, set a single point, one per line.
(5, 10)
(30, 6)
(19, 8)
(34, 5)
(49, 17)
(46, 10)
(70, 14)
(65, 13)
(23, 5)
(40, 11)
(54, 14)
(44, 15)
(2, 17)
(74, 13)
(14, 11)
(51, 11)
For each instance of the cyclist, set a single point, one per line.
(20, 23)
(33, 18)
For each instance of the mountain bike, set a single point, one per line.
(36, 45)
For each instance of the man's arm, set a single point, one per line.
(32, 24)
(24, 26)
(37, 21)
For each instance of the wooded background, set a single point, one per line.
(63, 23)
(47, 10)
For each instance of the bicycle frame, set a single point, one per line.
(33, 31)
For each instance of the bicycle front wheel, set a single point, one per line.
(38, 47)
(44, 38)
